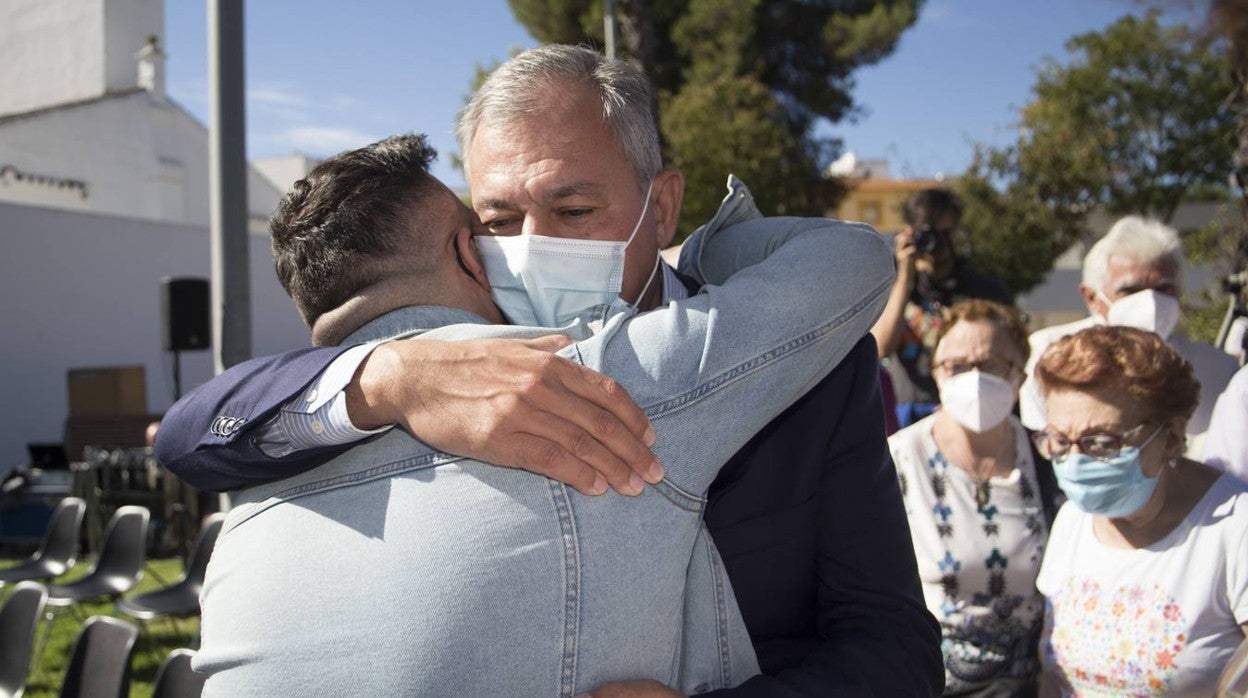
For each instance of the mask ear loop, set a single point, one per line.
(653, 273)
(657, 258)
(645, 207)
(1105, 299)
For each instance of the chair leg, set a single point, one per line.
(49, 617)
(153, 648)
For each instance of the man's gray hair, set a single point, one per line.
(1147, 240)
(517, 89)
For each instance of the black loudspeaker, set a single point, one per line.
(184, 314)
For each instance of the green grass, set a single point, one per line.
(155, 641)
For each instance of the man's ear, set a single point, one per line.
(668, 193)
(469, 258)
(1093, 301)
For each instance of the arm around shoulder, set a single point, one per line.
(204, 438)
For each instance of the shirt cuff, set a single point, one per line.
(318, 417)
(332, 380)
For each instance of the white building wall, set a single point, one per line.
(82, 290)
(282, 171)
(51, 52)
(127, 26)
(262, 199)
(139, 155)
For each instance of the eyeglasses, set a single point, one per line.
(997, 367)
(1102, 445)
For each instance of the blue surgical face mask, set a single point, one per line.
(543, 281)
(1113, 488)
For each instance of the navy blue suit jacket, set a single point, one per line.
(808, 517)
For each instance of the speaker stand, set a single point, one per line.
(177, 375)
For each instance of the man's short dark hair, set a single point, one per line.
(927, 205)
(334, 229)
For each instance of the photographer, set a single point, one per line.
(930, 278)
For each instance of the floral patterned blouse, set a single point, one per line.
(1156, 621)
(978, 557)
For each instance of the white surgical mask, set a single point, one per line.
(542, 281)
(1148, 310)
(978, 401)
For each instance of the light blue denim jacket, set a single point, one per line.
(398, 570)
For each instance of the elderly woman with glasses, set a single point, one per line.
(977, 497)
(1146, 573)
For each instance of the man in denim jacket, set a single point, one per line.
(807, 514)
(439, 575)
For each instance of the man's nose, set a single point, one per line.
(538, 222)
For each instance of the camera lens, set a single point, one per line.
(926, 240)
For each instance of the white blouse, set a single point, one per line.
(977, 562)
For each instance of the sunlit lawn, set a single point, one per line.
(155, 641)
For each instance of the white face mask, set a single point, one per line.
(978, 401)
(1148, 310)
(542, 281)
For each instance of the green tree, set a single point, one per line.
(731, 125)
(742, 83)
(1134, 121)
(1229, 18)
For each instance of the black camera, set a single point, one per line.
(927, 239)
(1233, 284)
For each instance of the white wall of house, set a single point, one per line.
(138, 155)
(58, 51)
(82, 290)
(283, 171)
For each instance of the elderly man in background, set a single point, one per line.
(1134, 277)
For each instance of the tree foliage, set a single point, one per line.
(741, 83)
(731, 125)
(1229, 19)
(1134, 121)
(1011, 233)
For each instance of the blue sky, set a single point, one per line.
(323, 76)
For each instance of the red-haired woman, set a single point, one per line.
(1146, 572)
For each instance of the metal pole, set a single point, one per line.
(608, 27)
(227, 172)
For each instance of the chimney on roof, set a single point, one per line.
(152, 67)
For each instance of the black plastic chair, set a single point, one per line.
(59, 548)
(119, 566)
(100, 664)
(19, 622)
(176, 679)
(180, 599)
